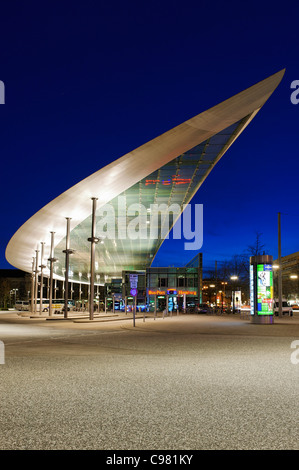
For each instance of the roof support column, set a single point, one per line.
(80, 289)
(41, 291)
(67, 252)
(93, 240)
(32, 285)
(35, 281)
(52, 261)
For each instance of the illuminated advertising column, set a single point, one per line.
(261, 289)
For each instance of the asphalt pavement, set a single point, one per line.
(183, 382)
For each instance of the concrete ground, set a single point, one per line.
(178, 383)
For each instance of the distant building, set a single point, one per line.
(290, 276)
(14, 285)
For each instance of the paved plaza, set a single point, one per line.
(178, 383)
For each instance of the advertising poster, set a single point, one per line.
(264, 289)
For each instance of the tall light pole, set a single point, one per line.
(234, 278)
(14, 291)
(212, 286)
(280, 268)
(294, 277)
(216, 283)
(224, 284)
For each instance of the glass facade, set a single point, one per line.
(174, 183)
(178, 286)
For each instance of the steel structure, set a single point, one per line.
(166, 170)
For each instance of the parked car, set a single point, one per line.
(203, 308)
(22, 305)
(286, 308)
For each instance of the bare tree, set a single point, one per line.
(258, 248)
(4, 292)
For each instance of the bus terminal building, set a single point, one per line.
(104, 233)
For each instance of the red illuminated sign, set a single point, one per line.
(187, 292)
(176, 180)
(156, 292)
(173, 292)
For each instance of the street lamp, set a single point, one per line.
(293, 277)
(224, 284)
(14, 292)
(234, 278)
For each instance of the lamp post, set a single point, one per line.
(280, 268)
(223, 296)
(275, 268)
(212, 287)
(14, 292)
(234, 278)
(293, 277)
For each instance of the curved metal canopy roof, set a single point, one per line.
(168, 169)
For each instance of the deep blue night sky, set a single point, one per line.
(86, 82)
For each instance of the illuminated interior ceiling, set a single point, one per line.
(174, 183)
(168, 169)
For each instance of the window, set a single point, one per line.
(153, 282)
(171, 280)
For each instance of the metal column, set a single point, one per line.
(98, 293)
(52, 261)
(279, 268)
(80, 291)
(67, 252)
(32, 285)
(93, 240)
(36, 281)
(41, 295)
(134, 309)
